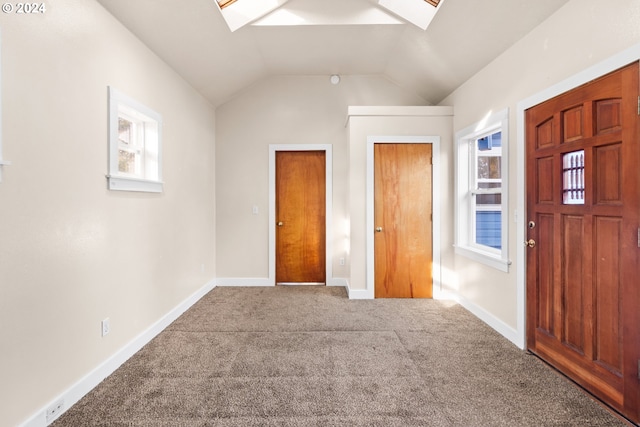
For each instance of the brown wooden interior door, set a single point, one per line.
(403, 221)
(583, 201)
(300, 217)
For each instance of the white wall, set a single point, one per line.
(283, 110)
(579, 35)
(71, 252)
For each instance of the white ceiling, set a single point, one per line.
(336, 37)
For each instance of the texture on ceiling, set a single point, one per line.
(346, 37)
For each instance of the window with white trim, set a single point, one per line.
(134, 145)
(481, 207)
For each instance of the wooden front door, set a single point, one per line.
(403, 221)
(300, 217)
(583, 207)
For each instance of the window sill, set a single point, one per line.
(485, 258)
(119, 183)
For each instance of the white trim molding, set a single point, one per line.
(368, 292)
(328, 149)
(243, 282)
(339, 281)
(359, 293)
(498, 325)
(146, 144)
(604, 67)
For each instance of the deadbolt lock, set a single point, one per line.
(532, 224)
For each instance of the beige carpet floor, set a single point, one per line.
(309, 356)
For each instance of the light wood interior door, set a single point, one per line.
(403, 220)
(301, 217)
(583, 207)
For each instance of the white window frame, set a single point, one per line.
(465, 169)
(147, 140)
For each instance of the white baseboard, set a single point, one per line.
(74, 393)
(258, 281)
(502, 328)
(444, 295)
(250, 281)
(359, 293)
(338, 281)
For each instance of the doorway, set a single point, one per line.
(326, 149)
(300, 217)
(403, 212)
(583, 213)
(397, 265)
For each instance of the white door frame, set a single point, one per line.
(435, 197)
(600, 69)
(327, 148)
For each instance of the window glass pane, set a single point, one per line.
(489, 167)
(490, 184)
(487, 206)
(573, 178)
(490, 141)
(496, 140)
(124, 131)
(488, 228)
(489, 199)
(127, 162)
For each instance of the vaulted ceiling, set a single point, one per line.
(324, 37)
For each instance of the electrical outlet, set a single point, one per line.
(54, 410)
(106, 327)
(342, 261)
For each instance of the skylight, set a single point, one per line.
(418, 12)
(329, 12)
(237, 14)
(225, 3)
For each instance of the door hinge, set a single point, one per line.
(639, 369)
(639, 237)
(639, 105)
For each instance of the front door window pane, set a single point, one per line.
(573, 178)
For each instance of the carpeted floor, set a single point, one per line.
(309, 356)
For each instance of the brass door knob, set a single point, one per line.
(280, 224)
(531, 243)
(379, 229)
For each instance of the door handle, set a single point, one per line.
(531, 243)
(280, 224)
(378, 229)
